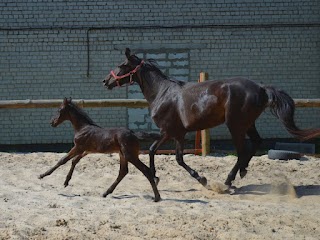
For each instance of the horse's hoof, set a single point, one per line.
(66, 185)
(230, 189)
(156, 180)
(105, 195)
(243, 173)
(203, 181)
(228, 183)
(40, 176)
(157, 199)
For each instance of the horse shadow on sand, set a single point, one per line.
(251, 189)
(264, 189)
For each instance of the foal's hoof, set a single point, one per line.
(40, 176)
(105, 195)
(203, 181)
(243, 173)
(156, 180)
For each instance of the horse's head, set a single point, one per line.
(125, 72)
(62, 114)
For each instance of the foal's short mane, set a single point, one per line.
(151, 65)
(82, 113)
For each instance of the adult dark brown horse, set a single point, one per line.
(90, 138)
(179, 107)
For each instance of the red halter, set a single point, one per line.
(118, 78)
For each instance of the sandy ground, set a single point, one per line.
(276, 200)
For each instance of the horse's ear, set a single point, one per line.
(128, 53)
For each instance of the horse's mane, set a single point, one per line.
(151, 65)
(82, 113)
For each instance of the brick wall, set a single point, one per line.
(56, 49)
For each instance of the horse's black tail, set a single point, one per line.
(147, 136)
(282, 106)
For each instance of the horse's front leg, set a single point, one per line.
(152, 151)
(72, 153)
(179, 158)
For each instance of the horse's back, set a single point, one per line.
(207, 104)
(245, 92)
(221, 87)
(246, 100)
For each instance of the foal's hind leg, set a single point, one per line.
(146, 172)
(122, 173)
(72, 153)
(179, 158)
(74, 163)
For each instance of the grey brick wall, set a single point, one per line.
(56, 49)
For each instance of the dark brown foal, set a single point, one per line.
(90, 138)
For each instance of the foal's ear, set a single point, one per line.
(128, 53)
(65, 101)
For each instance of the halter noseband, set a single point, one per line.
(118, 78)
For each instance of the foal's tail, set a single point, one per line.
(282, 106)
(147, 136)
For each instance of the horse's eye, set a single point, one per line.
(123, 66)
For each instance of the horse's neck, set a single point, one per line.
(77, 121)
(153, 86)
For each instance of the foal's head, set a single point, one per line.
(62, 114)
(125, 72)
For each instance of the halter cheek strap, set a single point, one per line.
(118, 78)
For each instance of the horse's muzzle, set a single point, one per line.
(107, 84)
(53, 123)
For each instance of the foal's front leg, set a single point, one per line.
(65, 159)
(74, 163)
(179, 158)
(122, 173)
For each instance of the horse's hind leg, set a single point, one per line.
(179, 159)
(72, 153)
(238, 139)
(122, 173)
(256, 141)
(74, 163)
(147, 172)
